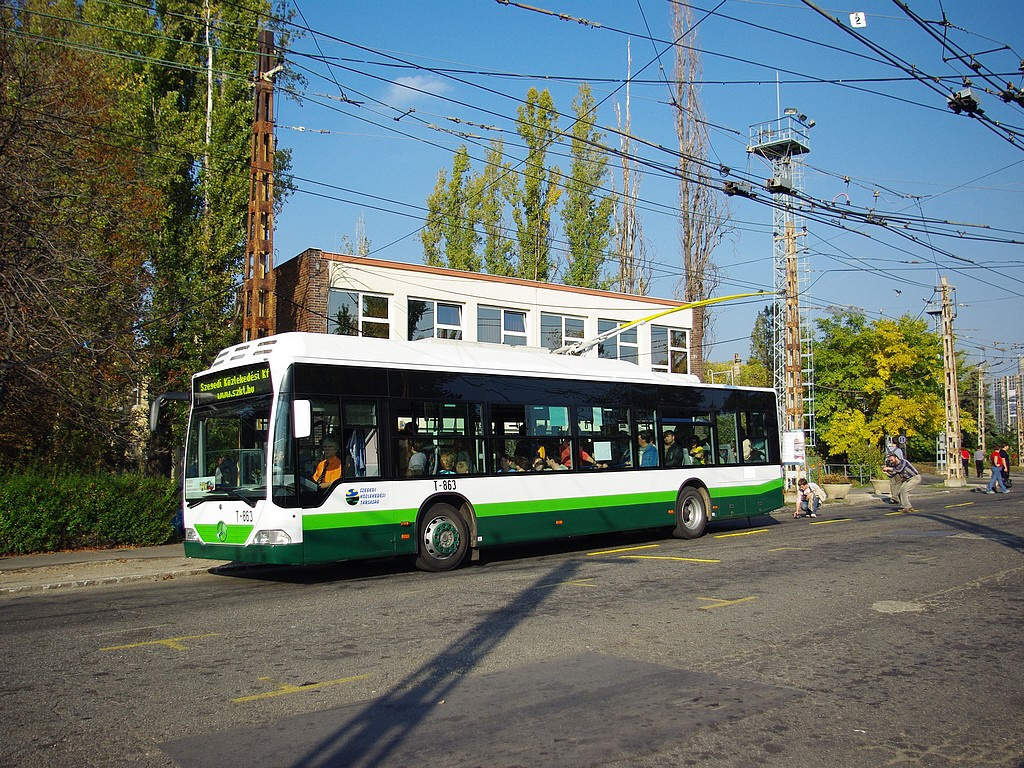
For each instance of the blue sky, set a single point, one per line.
(879, 143)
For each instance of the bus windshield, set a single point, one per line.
(226, 450)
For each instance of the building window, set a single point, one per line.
(669, 350)
(623, 346)
(357, 314)
(558, 330)
(501, 326)
(430, 319)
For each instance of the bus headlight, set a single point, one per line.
(272, 537)
(191, 535)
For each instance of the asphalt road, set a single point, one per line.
(864, 638)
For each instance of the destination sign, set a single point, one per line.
(241, 382)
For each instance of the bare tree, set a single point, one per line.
(634, 266)
(702, 215)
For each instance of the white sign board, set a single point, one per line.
(858, 20)
(793, 448)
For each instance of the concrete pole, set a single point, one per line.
(954, 468)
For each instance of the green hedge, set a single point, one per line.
(45, 510)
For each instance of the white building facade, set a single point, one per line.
(372, 297)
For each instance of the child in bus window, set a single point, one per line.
(447, 463)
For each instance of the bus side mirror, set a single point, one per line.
(302, 421)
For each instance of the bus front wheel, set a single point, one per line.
(444, 539)
(691, 513)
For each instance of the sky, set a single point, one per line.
(904, 190)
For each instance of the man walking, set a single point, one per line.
(997, 473)
(979, 461)
(1005, 453)
(903, 475)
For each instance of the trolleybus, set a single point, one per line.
(438, 448)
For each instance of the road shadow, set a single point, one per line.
(987, 532)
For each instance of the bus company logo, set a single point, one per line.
(222, 531)
(352, 496)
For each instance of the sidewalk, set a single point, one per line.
(92, 567)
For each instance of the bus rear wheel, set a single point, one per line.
(444, 539)
(691, 513)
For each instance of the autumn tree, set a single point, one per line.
(875, 379)
(76, 213)
(586, 210)
(127, 181)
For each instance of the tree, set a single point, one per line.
(534, 200)
(76, 212)
(130, 209)
(494, 187)
(701, 218)
(762, 340)
(449, 237)
(875, 379)
(586, 213)
(631, 247)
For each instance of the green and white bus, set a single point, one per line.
(445, 447)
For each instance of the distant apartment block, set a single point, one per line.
(1005, 402)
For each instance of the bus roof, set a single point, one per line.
(440, 355)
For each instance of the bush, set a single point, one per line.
(44, 510)
(834, 479)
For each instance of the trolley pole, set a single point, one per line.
(954, 468)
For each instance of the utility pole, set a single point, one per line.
(793, 363)
(258, 305)
(1020, 416)
(981, 406)
(954, 468)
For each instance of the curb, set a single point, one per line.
(69, 583)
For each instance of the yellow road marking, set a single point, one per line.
(571, 582)
(741, 533)
(965, 504)
(897, 512)
(718, 602)
(171, 642)
(794, 549)
(667, 557)
(624, 549)
(286, 688)
(827, 522)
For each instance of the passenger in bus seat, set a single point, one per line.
(673, 451)
(648, 450)
(462, 468)
(553, 464)
(226, 472)
(418, 459)
(506, 465)
(447, 463)
(696, 451)
(586, 460)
